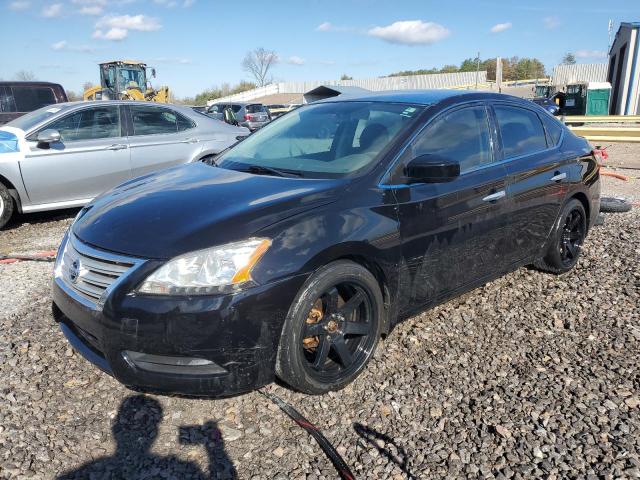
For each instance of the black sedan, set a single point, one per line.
(294, 251)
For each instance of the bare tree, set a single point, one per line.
(25, 76)
(258, 63)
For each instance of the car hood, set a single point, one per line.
(192, 207)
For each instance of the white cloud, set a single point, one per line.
(552, 22)
(64, 45)
(19, 5)
(173, 61)
(295, 60)
(140, 23)
(166, 3)
(91, 10)
(53, 10)
(112, 27)
(324, 27)
(501, 27)
(411, 32)
(591, 54)
(188, 3)
(114, 34)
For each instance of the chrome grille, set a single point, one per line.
(90, 272)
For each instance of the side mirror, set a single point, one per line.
(48, 136)
(432, 169)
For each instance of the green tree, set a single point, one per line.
(449, 69)
(469, 65)
(345, 77)
(569, 59)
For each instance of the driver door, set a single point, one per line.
(454, 233)
(92, 156)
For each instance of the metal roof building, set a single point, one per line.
(624, 70)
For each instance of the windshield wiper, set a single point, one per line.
(262, 170)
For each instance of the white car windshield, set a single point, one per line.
(326, 140)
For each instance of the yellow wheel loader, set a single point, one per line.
(126, 80)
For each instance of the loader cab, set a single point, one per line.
(117, 78)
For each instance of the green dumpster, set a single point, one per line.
(587, 98)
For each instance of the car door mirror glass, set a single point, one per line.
(48, 136)
(431, 168)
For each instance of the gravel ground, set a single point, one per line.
(530, 376)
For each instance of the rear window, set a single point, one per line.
(521, 131)
(255, 108)
(28, 99)
(554, 128)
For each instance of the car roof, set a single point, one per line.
(420, 97)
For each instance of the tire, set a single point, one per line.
(614, 205)
(332, 329)
(566, 240)
(6, 205)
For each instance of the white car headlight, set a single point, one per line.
(205, 271)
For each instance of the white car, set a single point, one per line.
(64, 155)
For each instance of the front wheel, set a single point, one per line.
(567, 239)
(6, 206)
(332, 329)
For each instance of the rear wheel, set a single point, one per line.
(332, 329)
(566, 240)
(6, 205)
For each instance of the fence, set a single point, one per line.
(413, 82)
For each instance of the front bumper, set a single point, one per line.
(204, 346)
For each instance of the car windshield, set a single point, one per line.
(31, 119)
(327, 140)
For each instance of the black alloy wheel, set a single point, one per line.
(572, 237)
(339, 332)
(332, 329)
(566, 240)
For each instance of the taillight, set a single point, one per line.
(248, 117)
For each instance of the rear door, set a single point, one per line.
(537, 175)
(92, 156)
(159, 138)
(454, 233)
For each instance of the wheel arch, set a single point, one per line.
(13, 191)
(582, 198)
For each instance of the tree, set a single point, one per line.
(345, 77)
(569, 59)
(258, 63)
(73, 96)
(25, 76)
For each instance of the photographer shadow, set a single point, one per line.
(135, 429)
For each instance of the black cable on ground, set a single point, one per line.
(341, 466)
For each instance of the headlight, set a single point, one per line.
(205, 271)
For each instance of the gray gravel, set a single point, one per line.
(530, 376)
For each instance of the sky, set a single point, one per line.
(196, 44)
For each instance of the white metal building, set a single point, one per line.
(624, 70)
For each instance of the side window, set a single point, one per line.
(554, 128)
(521, 131)
(461, 135)
(235, 108)
(184, 123)
(89, 124)
(29, 99)
(153, 120)
(6, 100)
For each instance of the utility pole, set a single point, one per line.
(610, 34)
(477, 69)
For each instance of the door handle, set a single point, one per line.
(495, 196)
(558, 177)
(118, 146)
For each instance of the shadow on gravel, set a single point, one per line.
(40, 217)
(376, 439)
(135, 429)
